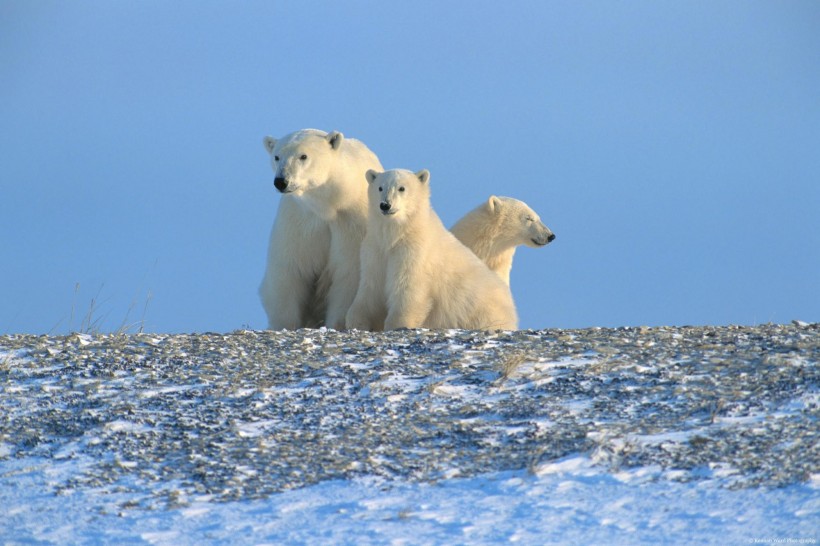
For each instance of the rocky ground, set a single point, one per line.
(248, 414)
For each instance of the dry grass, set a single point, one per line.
(93, 319)
(510, 363)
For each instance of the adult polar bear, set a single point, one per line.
(415, 273)
(312, 272)
(495, 228)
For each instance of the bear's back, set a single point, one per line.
(466, 293)
(355, 151)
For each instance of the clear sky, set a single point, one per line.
(673, 147)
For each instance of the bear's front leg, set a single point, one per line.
(339, 299)
(357, 316)
(368, 309)
(406, 317)
(284, 297)
(345, 266)
(365, 313)
(298, 251)
(407, 306)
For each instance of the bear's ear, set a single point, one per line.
(335, 138)
(493, 204)
(423, 176)
(270, 144)
(371, 175)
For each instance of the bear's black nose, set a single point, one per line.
(551, 238)
(280, 183)
(384, 206)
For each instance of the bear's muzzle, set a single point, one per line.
(541, 241)
(280, 183)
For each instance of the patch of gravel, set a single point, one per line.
(248, 414)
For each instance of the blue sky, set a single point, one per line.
(674, 148)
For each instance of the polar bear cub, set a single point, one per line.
(495, 228)
(415, 273)
(312, 272)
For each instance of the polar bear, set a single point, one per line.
(495, 228)
(312, 273)
(415, 273)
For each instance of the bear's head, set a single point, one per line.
(397, 194)
(518, 222)
(301, 159)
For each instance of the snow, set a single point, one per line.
(537, 438)
(570, 501)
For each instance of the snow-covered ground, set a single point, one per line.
(627, 436)
(569, 501)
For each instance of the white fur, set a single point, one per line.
(312, 274)
(291, 291)
(415, 273)
(495, 228)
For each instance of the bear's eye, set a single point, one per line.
(303, 157)
(401, 188)
(529, 219)
(276, 158)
